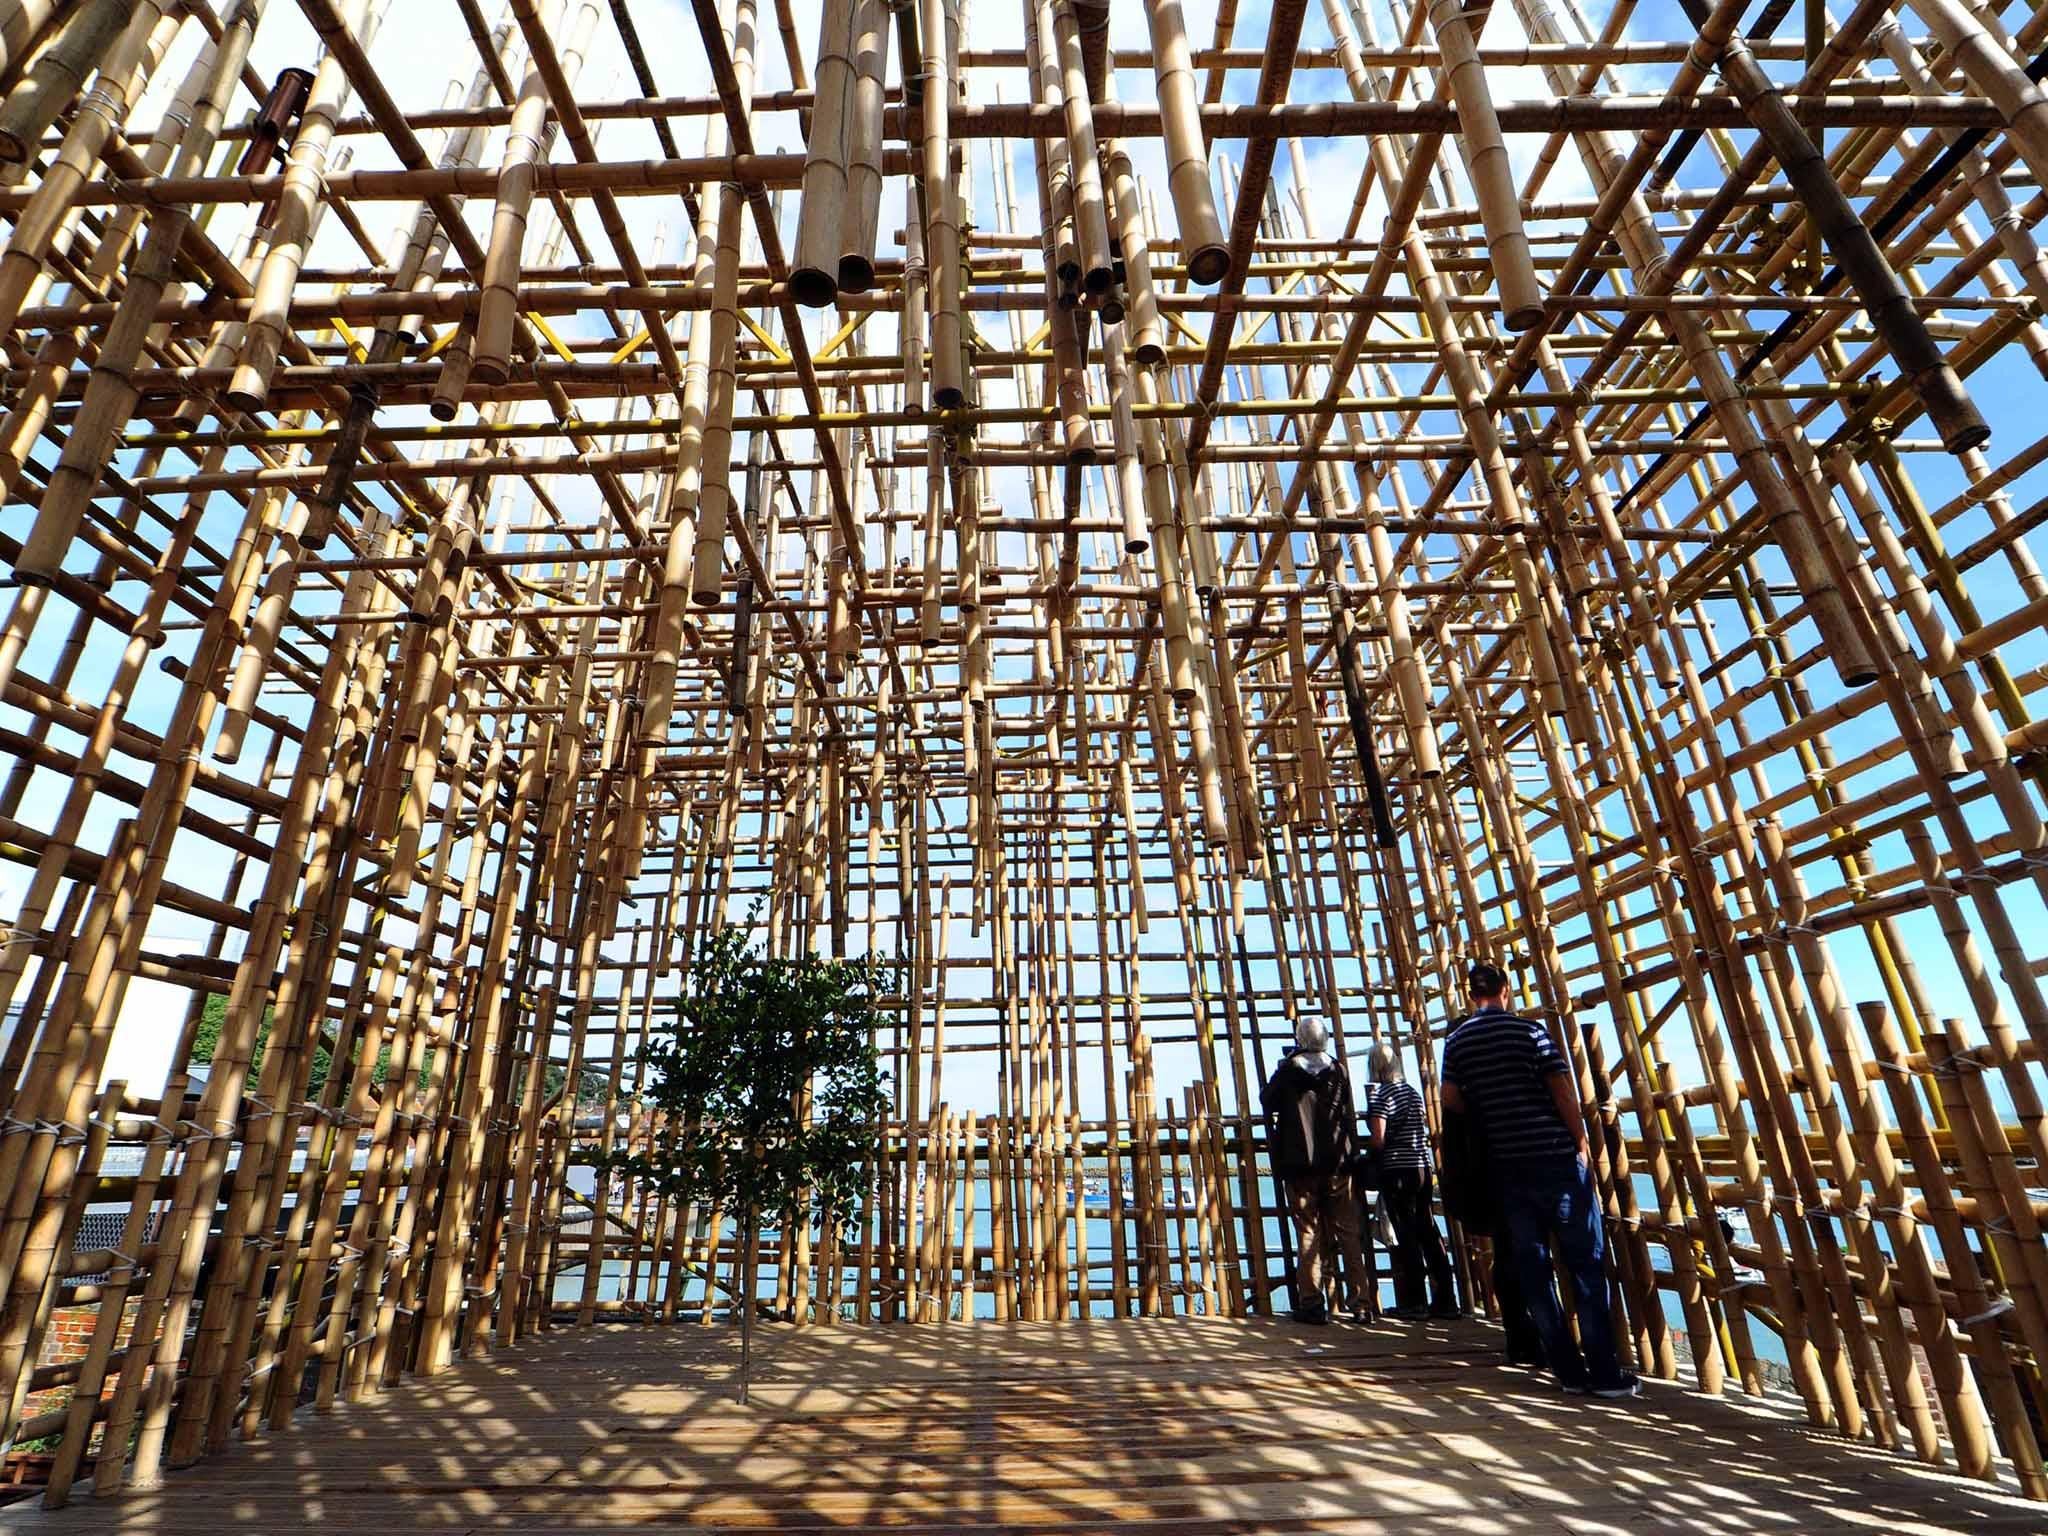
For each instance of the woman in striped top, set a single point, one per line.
(1400, 1134)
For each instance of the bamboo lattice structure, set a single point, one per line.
(1159, 533)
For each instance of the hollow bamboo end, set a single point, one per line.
(1524, 317)
(1208, 264)
(1138, 546)
(1099, 280)
(1150, 353)
(240, 398)
(948, 398)
(813, 287)
(443, 410)
(490, 371)
(856, 273)
(1862, 675)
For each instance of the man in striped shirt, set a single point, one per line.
(1507, 1071)
(1400, 1136)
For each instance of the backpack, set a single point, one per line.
(1308, 1134)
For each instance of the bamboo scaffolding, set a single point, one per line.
(1147, 611)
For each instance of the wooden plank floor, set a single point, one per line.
(1180, 1425)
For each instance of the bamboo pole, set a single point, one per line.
(291, 220)
(814, 266)
(57, 76)
(941, 214)
(1634, 648)
(855, 268)
(1204, 252)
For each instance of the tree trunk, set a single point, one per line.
(751, 1239)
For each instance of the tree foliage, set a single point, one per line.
(590, 1084)
(770, 1089)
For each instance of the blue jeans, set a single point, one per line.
(1554, 1196)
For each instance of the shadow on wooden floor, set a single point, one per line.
(1181, 1425)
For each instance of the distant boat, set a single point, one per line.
(1094, 1195)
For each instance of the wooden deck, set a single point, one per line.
(1179, 1425)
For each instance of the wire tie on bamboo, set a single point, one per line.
(1998, 1308)
(1956, 1066)
(128, 1265)
(9, 1126)
(1785, 933)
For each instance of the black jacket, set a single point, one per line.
(1311, 1121)
(1462, 1177)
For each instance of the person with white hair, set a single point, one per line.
(1311, 1134)
(1400, 1137)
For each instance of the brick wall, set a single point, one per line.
(66, 1339)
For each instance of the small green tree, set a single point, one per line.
(770, 1094)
